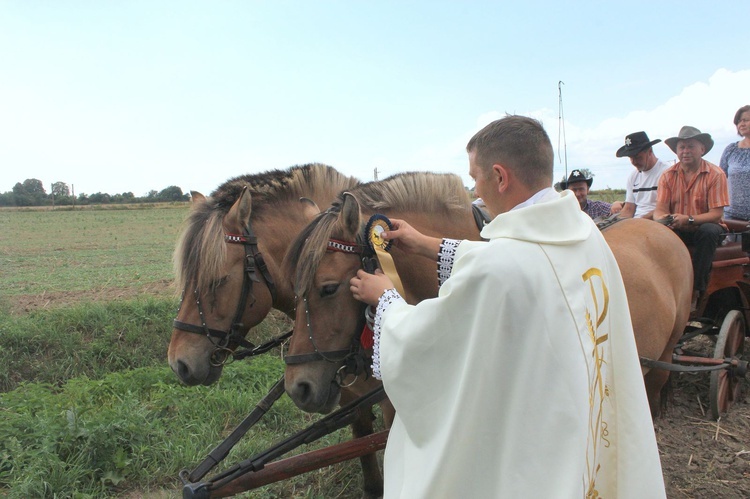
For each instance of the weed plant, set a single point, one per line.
(90, 339)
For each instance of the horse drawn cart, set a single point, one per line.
(723, 313)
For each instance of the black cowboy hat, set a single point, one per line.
(635, 143)
(690, 132)
(575, 176)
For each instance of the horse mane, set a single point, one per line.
(414, 191)
(274, 187)
(200, 253)
(418, 192)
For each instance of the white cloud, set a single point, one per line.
(709, 106)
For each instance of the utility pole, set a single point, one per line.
(375, 173)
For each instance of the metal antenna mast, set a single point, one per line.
(561, 129)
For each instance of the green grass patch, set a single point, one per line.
(88, 339)
(607, 195)
(92, 410)
(135, 430)
(60, 250)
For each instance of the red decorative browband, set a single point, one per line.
(345, 247)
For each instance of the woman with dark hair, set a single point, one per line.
(735, 161)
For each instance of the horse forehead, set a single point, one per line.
(334, 264)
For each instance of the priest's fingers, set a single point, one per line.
(368, 288)
(410, 240)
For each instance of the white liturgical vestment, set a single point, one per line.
(521, 379)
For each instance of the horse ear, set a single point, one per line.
(309, 208)
(197, 197)
(349, 219)
(239, 214)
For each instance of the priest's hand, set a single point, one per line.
(368, 288)
(410, 240)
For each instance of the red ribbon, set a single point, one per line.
(367, 338)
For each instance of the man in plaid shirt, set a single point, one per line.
(580, 185)
(694, 192)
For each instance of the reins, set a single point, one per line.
(228, 341)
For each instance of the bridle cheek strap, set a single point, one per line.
(253, 262)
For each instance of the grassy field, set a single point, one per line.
(88, 406)
(56, 251)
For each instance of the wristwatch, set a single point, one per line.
(691, 220)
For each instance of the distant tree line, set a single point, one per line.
(31, 192)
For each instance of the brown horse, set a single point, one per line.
(658, 276)
(328, 318)
(227, 261)
(655, 266)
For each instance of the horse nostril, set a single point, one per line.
(302, 391)
(183, 371)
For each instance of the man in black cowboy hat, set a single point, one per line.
(694, 192)
(641, 187)
(580, 184)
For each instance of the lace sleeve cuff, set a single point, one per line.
(389, 297)
(445, 259)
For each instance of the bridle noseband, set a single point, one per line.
(353, 358)
(223, 348)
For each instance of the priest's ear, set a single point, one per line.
(501, 175)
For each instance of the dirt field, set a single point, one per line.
(700, 458)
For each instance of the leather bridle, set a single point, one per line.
(353, 358)
(227, 341)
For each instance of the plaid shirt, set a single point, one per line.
(707, 190)
(596, 209)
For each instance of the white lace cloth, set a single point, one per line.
(388, 297)
(445, 266)
(445, 259)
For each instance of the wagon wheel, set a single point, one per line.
(725, 386)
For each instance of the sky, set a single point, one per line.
(136, 96)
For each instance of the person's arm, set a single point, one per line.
(661, 210)
(682, 221)
(724, 161)
(713, 215)
(628, 210)
(663, 197)
(410, 240)
(649, 215)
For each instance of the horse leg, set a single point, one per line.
(656, 381)
(658, 386)
(372, 478)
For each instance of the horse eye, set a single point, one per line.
(219, 282)
(328, 290)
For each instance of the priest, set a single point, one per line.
(521, 378)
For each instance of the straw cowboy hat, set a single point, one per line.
(635, 143)
(690, 132)
(575, 176)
